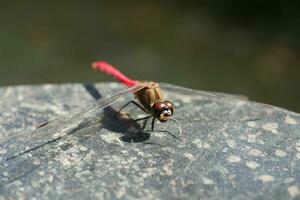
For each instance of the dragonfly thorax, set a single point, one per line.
(149, 94)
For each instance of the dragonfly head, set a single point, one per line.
(163, 110)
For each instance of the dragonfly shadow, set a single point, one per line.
(131, 130)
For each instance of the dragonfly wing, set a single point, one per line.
(187, 92)
(23, 143)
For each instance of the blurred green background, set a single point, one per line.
(245, 47)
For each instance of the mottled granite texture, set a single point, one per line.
(229, 149)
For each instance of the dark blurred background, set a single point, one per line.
(245, 47)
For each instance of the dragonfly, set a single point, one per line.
(150, 96)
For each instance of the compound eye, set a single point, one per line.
(159, 106)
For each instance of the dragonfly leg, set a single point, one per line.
(145, 120)
(152, 126)
(145, 123)
(168, 132)
(133, 102)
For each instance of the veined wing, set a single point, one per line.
(187, 92)
(23, 143)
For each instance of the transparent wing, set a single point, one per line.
(54, 130)
(190, 93)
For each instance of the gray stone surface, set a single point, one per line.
(229, 149)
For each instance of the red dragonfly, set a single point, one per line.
(148, 93)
